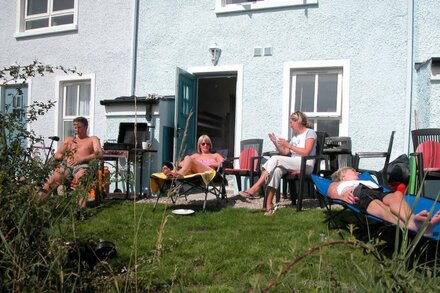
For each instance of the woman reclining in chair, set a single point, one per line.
(199, 162)
(372, 199)
(302, 144)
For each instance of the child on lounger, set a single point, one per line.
(199, 162)
(372, 199)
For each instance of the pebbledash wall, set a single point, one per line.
(427, 73)
(100, 48)
(379, 40)
(374, 36)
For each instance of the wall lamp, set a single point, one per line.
(214, 52)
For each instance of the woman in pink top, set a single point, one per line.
(199, 162)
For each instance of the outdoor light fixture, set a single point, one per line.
(215, 52)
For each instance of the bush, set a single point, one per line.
(32, 256)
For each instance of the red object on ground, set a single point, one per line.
(397, 186)
(401, 187)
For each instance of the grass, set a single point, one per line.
(229, 249)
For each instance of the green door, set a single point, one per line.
(186, 103)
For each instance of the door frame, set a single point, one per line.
(228, 69)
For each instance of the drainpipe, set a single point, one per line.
(410, 73)
(134, 46)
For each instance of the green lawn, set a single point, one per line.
(229, 249)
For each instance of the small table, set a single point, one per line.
(140, 157)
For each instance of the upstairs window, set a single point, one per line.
(46, 16)
(223, 6)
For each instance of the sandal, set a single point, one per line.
(271, 211)
(246, 194)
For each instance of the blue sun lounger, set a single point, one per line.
(417, 203)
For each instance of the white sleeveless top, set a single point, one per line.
(352, 184)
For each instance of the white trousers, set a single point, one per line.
(277, 166)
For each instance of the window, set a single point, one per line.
(435, 69)
(75, 100)
(46, 16)
(14, 101)
(318, 95)
(223, 6)
(321, 92)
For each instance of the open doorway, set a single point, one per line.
(216, 109)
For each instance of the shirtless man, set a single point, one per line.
(372, 199)
(76, 153)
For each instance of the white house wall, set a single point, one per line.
(372, 35)
(101, 46)
(427, 24)
(427, 46)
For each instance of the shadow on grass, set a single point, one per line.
(388, 238)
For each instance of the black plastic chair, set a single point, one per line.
(381, 175)
(249, 161)
(426, 144)
(304, 177)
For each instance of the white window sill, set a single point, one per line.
(45, 31)
(248, 6)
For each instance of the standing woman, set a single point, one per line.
(303, 143)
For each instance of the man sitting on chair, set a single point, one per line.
(75, 154)
(372, 199)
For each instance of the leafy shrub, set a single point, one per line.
(32, 256)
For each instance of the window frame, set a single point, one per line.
(61, 82)
(342, 108)
(222, 7)
(317, 72)
(22, 18)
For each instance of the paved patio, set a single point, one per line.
(234, 200)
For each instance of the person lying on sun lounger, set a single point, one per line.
(372, 199)
(199, 162)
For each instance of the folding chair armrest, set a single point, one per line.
(318, 159)
(229, 162)
(415, 154)
(231, 159)
(367, 155)
(371, 154)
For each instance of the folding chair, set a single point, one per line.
(417, 203)
(322, 184)
(203, 182)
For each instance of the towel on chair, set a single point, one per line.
(157, 180)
